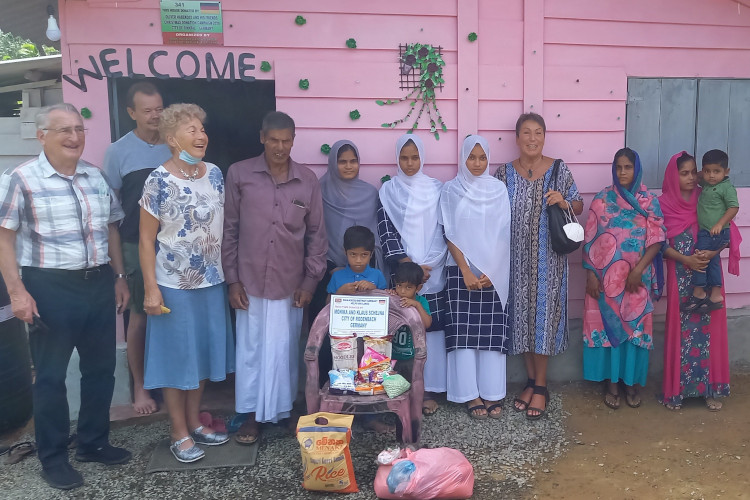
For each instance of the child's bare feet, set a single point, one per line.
(143, 402)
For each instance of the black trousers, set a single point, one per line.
(80, 313)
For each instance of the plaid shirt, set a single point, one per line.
(60, 222)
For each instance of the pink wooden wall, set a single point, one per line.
(566, 59)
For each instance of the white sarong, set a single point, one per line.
(435, 370)
(267, 358)
(473, 373)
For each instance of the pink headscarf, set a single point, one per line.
(680, 215)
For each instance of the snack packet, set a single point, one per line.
(324, 443)
(341, 381)
(371, 356)
(374, 372)
(344, 352)
(381, 345)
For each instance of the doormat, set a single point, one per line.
(230, 454)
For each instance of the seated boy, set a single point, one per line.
(408, 280)
(717, 206)
(359, 244)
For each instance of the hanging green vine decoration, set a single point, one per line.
(351, 43)
(325, 149)
(427, 59)
(86, 113)
(265, 66)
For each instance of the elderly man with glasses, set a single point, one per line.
(59, 223)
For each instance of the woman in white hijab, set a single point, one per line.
(409, 231)
(475, 212)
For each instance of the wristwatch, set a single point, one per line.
(125, 276)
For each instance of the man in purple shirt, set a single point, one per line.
(273, 254)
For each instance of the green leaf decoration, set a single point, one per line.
(351, 43)
(300, 21)
(472, 37)
(304, 84)
(86, 113)
(325, 149)
(265, 66)
(385, 179)
(427, 60)
(354, 114)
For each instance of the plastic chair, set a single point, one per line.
(407, 406)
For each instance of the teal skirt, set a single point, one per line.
(626, 362)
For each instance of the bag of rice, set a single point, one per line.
(324, 443)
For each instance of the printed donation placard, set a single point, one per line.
(360, 316)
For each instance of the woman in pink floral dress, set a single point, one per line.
(624, 234)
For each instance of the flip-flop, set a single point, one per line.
(713, 405)
(247, 438)
(19, 451)
(633, 400)
(475, 416)
(616, 404)
(492, 407)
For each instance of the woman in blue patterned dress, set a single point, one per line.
(410, 232)
(182, 218)
(538, 302)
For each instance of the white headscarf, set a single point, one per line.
(412, 204)
(476, 215)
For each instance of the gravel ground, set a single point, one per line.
(506, 454)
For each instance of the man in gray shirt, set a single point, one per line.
(127, 163)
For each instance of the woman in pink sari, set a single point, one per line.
(696, 357)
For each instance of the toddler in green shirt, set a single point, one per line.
(717, 206)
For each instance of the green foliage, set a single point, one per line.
(15, 47)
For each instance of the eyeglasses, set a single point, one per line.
(68, 130)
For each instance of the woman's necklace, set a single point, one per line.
(192, 177)
(529, 170)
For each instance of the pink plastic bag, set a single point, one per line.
(437, 473)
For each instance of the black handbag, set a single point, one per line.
(557, 218)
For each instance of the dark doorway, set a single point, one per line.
(235, 111)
